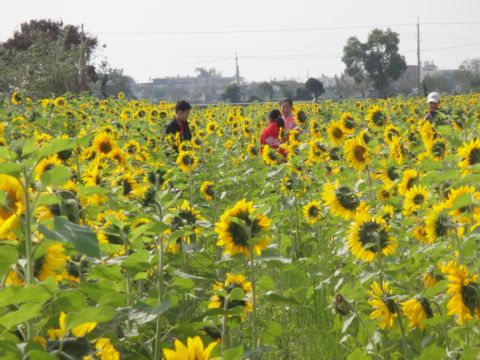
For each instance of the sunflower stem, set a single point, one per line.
(160, 279)
(402, 331)
(224, 323)
(254, 301)
(28, 242)
(129, 279)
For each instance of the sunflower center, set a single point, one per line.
(347, 198)
(349, 123)
(127, 187)
(471, 297)
(359, 153)
(474, 157)
(105, 147)
(209, 191)
(378, 118)
(313, 211)
(373, 236)
(187, 160)
(412, 181)
(392, 173)
(337, 133)
(390, 304)
(426, 307)
(418, 199)
(441, 225)
(439, 149)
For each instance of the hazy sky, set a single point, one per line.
(149, 38)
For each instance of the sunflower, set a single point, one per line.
(270, 155)
(409, 178)
(253, 150)
(106, 351)
(415, 199)
(46, 164)
(104, 143)
(462, 214)
(235, 237)
(438, 149)
(391, 133)
(118, 155)
(52, 263)
(376, 117)
(416, 310)
(194, 350)
(437, 223)
(312, 212)
(187, 161)
(465, 290)
(318, 152)
(356, 152)
(430, 278)
(130, 187)
(470, 154)
(207, 190)
(368, 236)
(420, 233)
(186, 215)
(185, 146)
(384, 307)
(348, 122)
(398, 150)
(217, 301)
(336, 133)
(16, 99)
(211, 127)
(341, 200)
(13, 206)
(132, 147)
(77, 331)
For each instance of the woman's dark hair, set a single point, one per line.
(287, 100)
(276, 116)
(182, 105)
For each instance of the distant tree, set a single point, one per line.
(232, 93)
(469, 74)
(302, 94)
(377, 60)
(254, 98)
(111, 81)
(265, 90)
(42, 58)
(442, 82)
(315, 87)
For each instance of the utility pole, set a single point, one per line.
(237, 73)
(82, 72)
(419, 64)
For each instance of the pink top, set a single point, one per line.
(290, 122)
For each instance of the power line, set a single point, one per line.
(255, 31)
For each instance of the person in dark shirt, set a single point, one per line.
(433, 101)
(179, 124)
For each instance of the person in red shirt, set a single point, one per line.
(271, 135)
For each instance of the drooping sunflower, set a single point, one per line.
(398, 150)
(336, 133)
(470, 154)
(409, 178)
(16, 99)
(217, 301)
(437, 223)
(207, 190)
(420, 233)
(376, 117)
(415, 199)
(430, 278)
(187, 161)
(384, 307)
(417, 310)
(465, 290)
(234, 237)
(13, 207)
(46, 164)
(194, 350)
(438, 149)
(312, 212)
(356, 152)
(341, 200)
(368, 236)
(104, 143)
(52, 263)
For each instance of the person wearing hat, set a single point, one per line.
(432, 114)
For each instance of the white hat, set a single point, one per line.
(433, 97)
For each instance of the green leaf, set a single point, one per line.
(17, 295)
(272, 297)
(433, 352)
(99, 314)
(136, 262)
(439, 287)
(181, 283)
(235, 353)
(6, 154)
(92, 190)
(13, 318)
(359, 354)
(348, 322)
(462, 201)
(40, 355)
(82, 237)
(236, 294)
(142, 313)
(265, 283)
(55, 146)
(273, 330)
(10, 168)
(8, 257)
(470, 354)
(29, 146)
(58, 175)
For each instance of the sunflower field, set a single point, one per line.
(119, 243)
